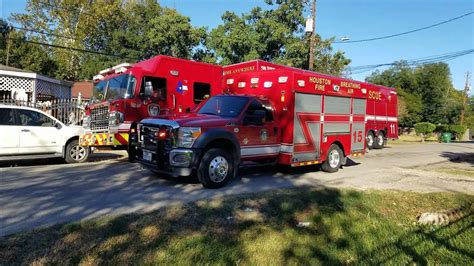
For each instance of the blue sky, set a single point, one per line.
(359, 19)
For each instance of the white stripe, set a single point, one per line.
(286, 148)
(381, 118)
(369, 117)
(259, 150)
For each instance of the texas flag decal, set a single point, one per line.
(181, 88)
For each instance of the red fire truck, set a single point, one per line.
(127, 93)
(270, 113)
(381, 116)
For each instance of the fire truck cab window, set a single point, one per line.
(159, 87)
(202, 91)
(264, 106)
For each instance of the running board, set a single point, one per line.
(4, 158)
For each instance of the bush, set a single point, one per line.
(457, 130)
(424, 129)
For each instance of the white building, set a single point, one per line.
(28, 86)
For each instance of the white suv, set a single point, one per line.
(27, 133)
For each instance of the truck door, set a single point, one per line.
(258, 138)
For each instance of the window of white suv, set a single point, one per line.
(7, 117)
(32, 118)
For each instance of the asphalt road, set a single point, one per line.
(40, 195)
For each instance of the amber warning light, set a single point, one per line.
(161, 134)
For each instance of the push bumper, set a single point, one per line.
(177, 162)
(103, 139)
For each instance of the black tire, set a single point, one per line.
(222, 163)
(132, 153)
(76, 153)
(380, 141)
(330, 164)
(370, 140)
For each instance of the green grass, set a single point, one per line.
(458, 172)
(345, 227)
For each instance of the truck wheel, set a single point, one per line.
(370, 140)
(215, 169)
(131, 154)
(333, 160)
(379, 141)
(76, 153)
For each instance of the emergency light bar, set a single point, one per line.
(106, 71)
(122, 67)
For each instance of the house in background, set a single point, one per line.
(27, 86)
(82, 90)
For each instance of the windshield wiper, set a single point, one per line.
(207, 113)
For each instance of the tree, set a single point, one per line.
(125, 30)
(274, 35)
(434, 84)
(426, 91)
(404, 80)
(24, 55)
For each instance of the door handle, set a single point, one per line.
(25, 130)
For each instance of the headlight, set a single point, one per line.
(187, 136)
(115, 118)
(86, 122)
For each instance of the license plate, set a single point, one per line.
(147, 156)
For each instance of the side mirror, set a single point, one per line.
(148, 89)
(57, 125)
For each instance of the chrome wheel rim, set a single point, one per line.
(77, 153)
(334, 159)
(380, 140)
(370, 140)
(218, 169)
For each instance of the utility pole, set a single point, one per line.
(466, 89)
(312, 41)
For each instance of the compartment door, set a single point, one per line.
(358, 125)
(307, 127)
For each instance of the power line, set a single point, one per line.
(406, 32)
(75, 49)
(44, 33)
(413, 62)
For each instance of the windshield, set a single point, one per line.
(119, 87)
(227, 106)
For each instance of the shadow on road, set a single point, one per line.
(95, 157)
(459, 157)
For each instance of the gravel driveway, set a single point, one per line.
(40, 195)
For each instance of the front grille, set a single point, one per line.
(149, 141)
(100, 118)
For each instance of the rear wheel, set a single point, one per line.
(379, 141)
(333, 159)
(216, 168)
(76, 153)
(370, 140)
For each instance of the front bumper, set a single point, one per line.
(103, 139)
(176, 162)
